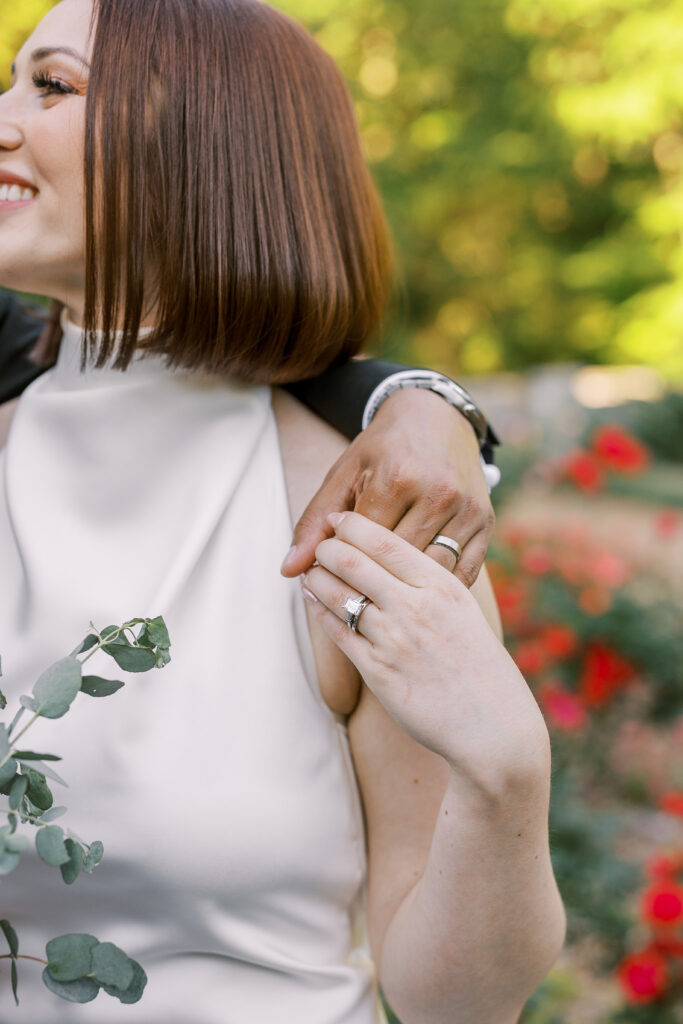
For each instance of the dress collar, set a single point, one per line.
(68, 375)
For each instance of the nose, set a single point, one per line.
(10, 133)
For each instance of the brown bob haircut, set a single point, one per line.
(222, 152)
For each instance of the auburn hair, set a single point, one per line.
(226, 190)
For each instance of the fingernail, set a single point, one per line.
(289, 557)
(335, 518)
(308, 594)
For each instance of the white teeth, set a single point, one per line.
(15, 193)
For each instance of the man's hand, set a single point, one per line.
(415, 470)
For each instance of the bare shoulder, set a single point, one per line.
(310, 447)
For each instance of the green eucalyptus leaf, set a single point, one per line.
(7, 773)
(134, 991)
(111, 631)
(144, 638)
(15, 981)
(10, 935)
(70, 956)
(4, 742)
(53, 814)
(131, 659)
(83, 990)
(90, 641)
(15, 843)
(95, 686)
(18, 791)
(157, 632)
(72, 869)
(50, 845)
(39, 792)
(44, 769)
(56, 687)
(8, 861)
(93, 857)
(3, 701)
(31, 755)
(15, 720)
(163, 657)
(111, 966)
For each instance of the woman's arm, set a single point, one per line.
(453, 760)
(452, 757)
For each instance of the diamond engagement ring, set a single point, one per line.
(353, 606)
(452, 545)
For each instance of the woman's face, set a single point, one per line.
(42, 124)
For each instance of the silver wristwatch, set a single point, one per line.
(444, 386)
(455, 395)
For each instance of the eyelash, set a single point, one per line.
(51, 86)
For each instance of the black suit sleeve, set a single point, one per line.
(19, 331)
(338, 396)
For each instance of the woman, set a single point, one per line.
(234, 241)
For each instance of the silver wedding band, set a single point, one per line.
(446, 542)
(354, 607)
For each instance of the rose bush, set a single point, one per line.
(598, 637)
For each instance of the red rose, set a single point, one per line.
(619, 450)
(565, 711)
(537, 560)
(560, 641)
(604, 672)
(662, 903)
(660, 865)
(531, 657)
(512, 598)
(668, 945)
(609, 569)
(672, 802)
(584, 470)
(667, 523)
(643, 976)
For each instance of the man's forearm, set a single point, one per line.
(482, 927)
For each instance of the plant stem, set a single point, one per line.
(18, 737)
(22, 956)
(25, 816)
(28, 725)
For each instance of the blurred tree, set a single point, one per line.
(529, 154)
(16, 21)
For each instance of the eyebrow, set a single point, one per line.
(46, 51)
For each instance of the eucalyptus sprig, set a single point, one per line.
(77, 965)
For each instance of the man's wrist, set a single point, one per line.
(453, 393)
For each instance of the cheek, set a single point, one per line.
(59, 162)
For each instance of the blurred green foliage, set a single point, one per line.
(529, 153)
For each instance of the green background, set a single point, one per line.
(529, 154)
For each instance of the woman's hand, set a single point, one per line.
(425, 649)
(416, 470)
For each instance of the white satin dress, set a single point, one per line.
(221, 786)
